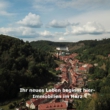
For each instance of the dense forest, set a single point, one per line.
(95, 47)
(21, 66)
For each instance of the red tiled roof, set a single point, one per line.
(74, 74)
(64, 69)
(73, 79)
(82, 68)
(63, 74)
(34, 101)
(48, 106)
(58, 86)
(29, 102)
(37, 102)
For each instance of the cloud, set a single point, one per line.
(61, 38)
(92, 28)
(20, 32)
(26, 32)
(5, 13)
(60, 24)
(75, 33)
(3, 5)
(46, 34)
(57, 24)
(3, 8)
(31, 20)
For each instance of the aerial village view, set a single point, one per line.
(54, 54)
(72, 83)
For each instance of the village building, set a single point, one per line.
(53, 106)
(72, 74)
(33, 103)
(62, 48)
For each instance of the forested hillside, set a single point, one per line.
(96, 53)
(22, 66)
(51, 46)
(101, 47)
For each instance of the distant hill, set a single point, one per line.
(94, 46)
(101, 47)
(51, 46)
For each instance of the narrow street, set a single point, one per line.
(71, 81)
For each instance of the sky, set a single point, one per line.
(55, 20)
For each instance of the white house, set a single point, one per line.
(62, 48)
(32, 103)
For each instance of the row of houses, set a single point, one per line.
(74, 72)
(40, 102)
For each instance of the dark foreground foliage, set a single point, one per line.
(21, 66)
